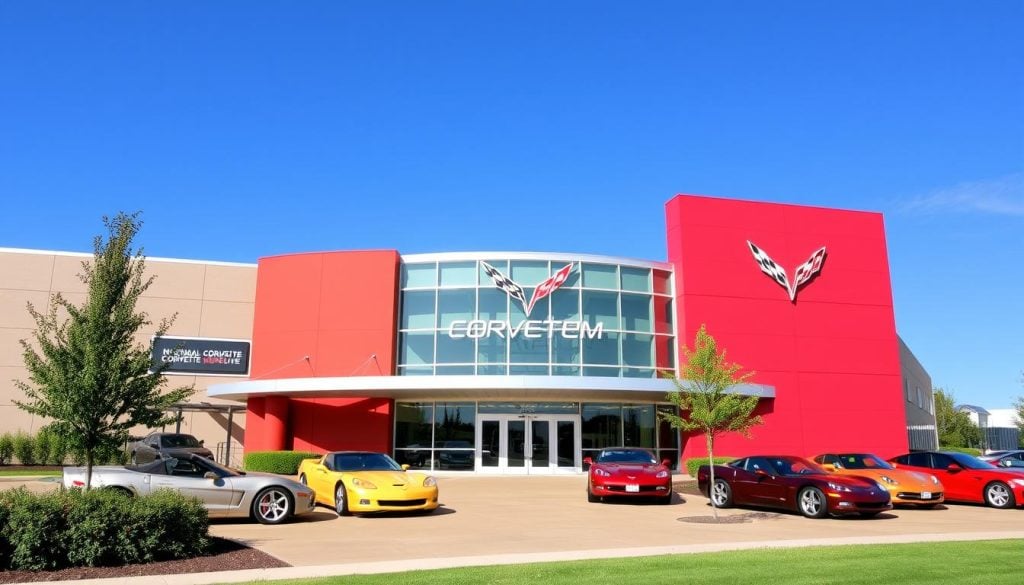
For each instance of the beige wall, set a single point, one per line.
(211, 300)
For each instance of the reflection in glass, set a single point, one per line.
(418, 309)
(638, 425)
(539, 430)
(565, 305)
(413, 424)
(604, 351)
(601, 425)
(529, 272)
(566, 444)
(419, 275)
(458, 273)
(636, 312)
(416, 348)
(516, 443)
(454, 350)
(601, 307)
(635, 279)
(600, 276)
(489, 443)
(637, 350)
(455, 305)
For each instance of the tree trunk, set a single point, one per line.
(711, 470)
(88, 469)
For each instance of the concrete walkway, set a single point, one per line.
(492, 521)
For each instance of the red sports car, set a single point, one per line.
(628, 471)
(967, 478)
(793, 483)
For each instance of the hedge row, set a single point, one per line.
(693, 464)
(49, 448)
(72, 528)
(280, 462)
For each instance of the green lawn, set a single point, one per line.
(983, 562)
(20, 472)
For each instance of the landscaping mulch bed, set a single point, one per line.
(227, 555)
(686, 486)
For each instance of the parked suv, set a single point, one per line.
(166, 445)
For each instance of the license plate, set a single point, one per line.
(632, 487)
(926, 495)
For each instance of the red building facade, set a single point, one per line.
(522, 362)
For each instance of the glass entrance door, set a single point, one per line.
(528, 443)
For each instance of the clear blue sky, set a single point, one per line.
(247, 129)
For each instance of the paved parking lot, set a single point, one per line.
(489, 516)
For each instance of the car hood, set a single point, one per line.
(860, 481)
(631, 468)
(382, 479)
(904, 478)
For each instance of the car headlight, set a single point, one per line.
(1018, 481)
(364, 484)
(662, 474)
(837, 487)
(601, 473)
(429, 481)
(935, 480)
(889, 480)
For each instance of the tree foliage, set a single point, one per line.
(704, 398)
(955, 428)
(86, 371)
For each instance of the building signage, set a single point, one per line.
(201, 356)
(529, 328)
(803, 273)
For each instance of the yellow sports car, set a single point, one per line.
(358, 482)
(905, 487)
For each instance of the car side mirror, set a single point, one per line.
(953, 468)
(588, 461)
(761, 473)
(666, 462)
(829, 467)
(210, 475)
(405, 467)
(202, 442)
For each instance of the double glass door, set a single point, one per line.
(528, 443)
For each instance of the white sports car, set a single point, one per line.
(270, 499)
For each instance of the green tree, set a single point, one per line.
(86, 372)
(704, 398)
(955, 428)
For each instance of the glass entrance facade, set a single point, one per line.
(526, 437)
(523, 315)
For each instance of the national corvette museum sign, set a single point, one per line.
(201, 356)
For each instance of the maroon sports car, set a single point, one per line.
(793, 483)
(628, 472)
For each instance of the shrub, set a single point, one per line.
(6, 448)
(280, 462)
(41, 446)
(98, 528)
(58, 450)
(694, 463)
(24, 449)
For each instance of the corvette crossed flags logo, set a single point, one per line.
(516, 292)
(803, 273)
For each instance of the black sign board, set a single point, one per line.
(201, 356)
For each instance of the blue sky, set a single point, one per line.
(271, 127)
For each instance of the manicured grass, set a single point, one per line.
(990, 562)
(20, 472)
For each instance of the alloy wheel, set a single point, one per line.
(811, 502)
(272, 506)
(998, 495)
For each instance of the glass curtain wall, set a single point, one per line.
(449, 311)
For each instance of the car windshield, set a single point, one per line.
(794, 466)
(178, 441)
(625, 456)
(364, 462)
(969, 462)
(860, 461)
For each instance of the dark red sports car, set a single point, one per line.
(967, 478)
(628, 471)
(793, 483)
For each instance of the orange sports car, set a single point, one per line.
(905, 487)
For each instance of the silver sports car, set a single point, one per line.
(270, 499)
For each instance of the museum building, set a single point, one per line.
(528, 362)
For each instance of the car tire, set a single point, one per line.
(591, 497)
(272, 505)
(341, 500)
(120, 490)
(666, 500)
(811, 502)
(999, 495)
(721, 494)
